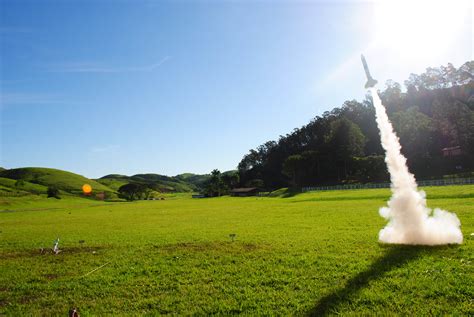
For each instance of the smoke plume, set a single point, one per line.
(410, 220)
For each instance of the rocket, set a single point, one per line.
(370, 81)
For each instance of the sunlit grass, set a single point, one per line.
(309, 253)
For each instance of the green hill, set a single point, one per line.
(113, 183)
(158, 182)
(194, 179)
(12, 185)
(65, 181)
(36, 180)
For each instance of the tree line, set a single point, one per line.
(343, 145)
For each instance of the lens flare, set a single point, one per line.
(417, 29)
(86, 189)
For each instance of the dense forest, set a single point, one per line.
(434, 119)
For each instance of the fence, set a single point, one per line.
(437, 182)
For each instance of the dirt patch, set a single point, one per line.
(51, 276)
(27, 299)
(3, 303)
(48, 252)
(230, 247)
(75, 250)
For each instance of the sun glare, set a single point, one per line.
(415, 29)
(86, 189)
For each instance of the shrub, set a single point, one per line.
(53, 192)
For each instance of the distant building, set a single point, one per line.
(244, 192)
(451, 151)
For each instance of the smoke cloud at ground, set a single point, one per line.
(410, 220)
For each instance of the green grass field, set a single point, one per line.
(308, 254)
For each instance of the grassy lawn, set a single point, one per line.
(312, 253)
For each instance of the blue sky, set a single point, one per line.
(100, 87)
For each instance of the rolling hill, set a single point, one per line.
(12, 185)
(181, 183)
(36, 180)
(63, 180)
(194, 179)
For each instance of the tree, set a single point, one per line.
(370, 168)
(258, 183)
(415, 131)
(363, 115)
(132, 191)
(436, 111)
(292, 167)
(346, 140)
(456, 122)
(392, 97)
(147, 191)
(215, 186)
(53, 192)
(303, 169)
(231, 179)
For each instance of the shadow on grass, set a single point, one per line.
(396, 256)
(344, 198)
(291, 192)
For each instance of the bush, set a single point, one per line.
(53, 192)
(20, 183)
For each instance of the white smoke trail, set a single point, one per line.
(410, 221)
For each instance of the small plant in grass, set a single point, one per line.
(232, 236)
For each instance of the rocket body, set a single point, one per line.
(370, 81)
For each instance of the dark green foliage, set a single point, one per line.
(369, 169)
(293, 168)
(215, 187)
(346, 138)
(53, 192)
(436, 112)
(416, 133)
(219, 184)
(302, 169)
(257, 183)
(231, 179)
(133, 191)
